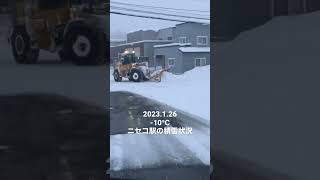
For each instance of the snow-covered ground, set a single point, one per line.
(269, 94)
(189, 92)
(131, 151)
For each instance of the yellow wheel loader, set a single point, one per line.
(136, 69)
(128, 66)
(77, 32)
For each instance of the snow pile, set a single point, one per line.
(189, 92)
(269, 94)
(283, 38)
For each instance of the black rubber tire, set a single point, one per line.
(136, 75)
(26, 54)
(64, 55)
(116, 76)
(95, 56)
(145, 79)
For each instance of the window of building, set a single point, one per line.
(202, 40)
(200, 61)
(182, 40)
(169, 38)
(171, 62)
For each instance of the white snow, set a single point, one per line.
(189, 92)
(195, 49)
(269, 77)
(133, 151)
(117, 40)
(172, 44)
(144, 41)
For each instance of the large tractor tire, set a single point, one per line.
(21, 46)
(116, 76)
(84, 45)
(64, 55)
(136, 75)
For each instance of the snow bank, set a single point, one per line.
(188, 92)
(283, 38)
(269, 94)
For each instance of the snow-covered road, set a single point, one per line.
(152, 151)
(145, 151)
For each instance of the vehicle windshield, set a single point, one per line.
(129, 58)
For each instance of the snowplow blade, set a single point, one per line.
(156, 75)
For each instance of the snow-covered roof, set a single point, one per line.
(204, 23)
(144, 41)
(118, 40)
(139, 30)
(194, 49)
(172, 44)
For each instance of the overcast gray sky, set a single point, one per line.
(120, 25)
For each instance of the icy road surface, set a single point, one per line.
(135, 152)
(189, 92)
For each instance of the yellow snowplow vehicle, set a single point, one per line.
(128, 66)
(77, 32)
(136, 69)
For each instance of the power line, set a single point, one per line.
(167, 10)
(162, 10)
(150, 17)
(158, 7)
(165, 14)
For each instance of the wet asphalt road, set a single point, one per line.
(126, 111)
